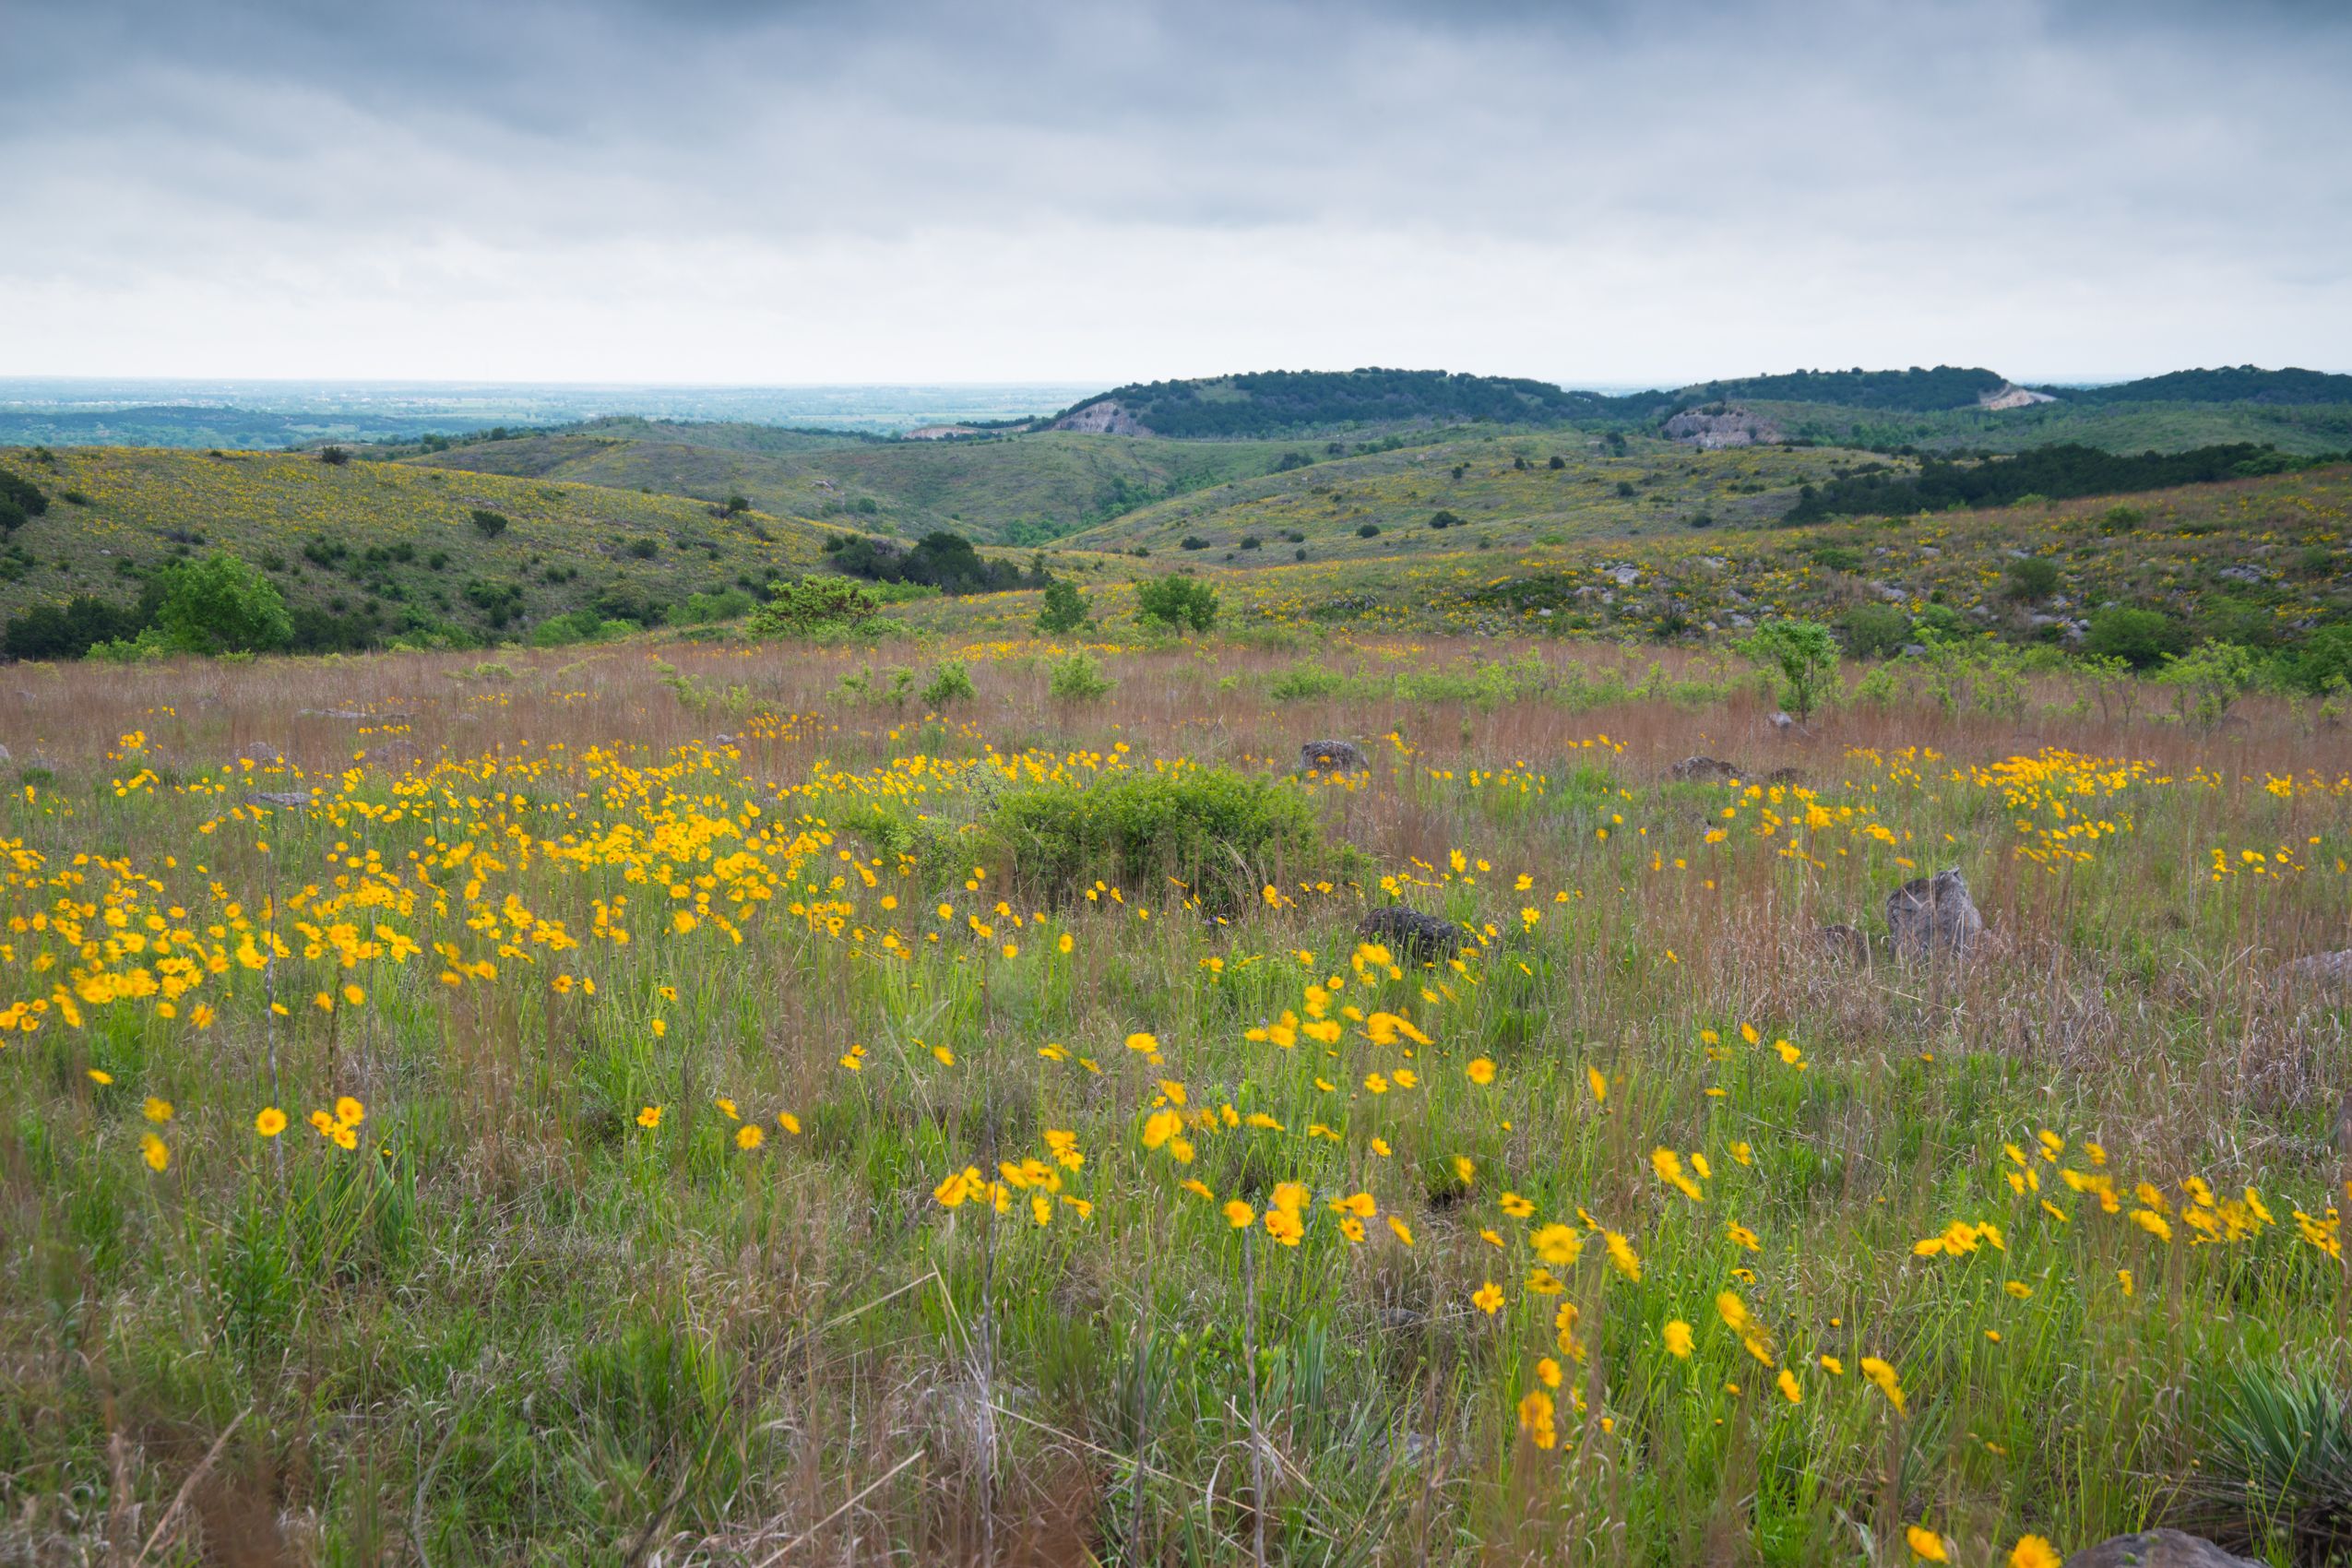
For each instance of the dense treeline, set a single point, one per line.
(2057, 472)
(1913, 390)
(1280, 401)
(2230, 384)
(941, 560)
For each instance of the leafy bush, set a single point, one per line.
(1368, 530)
(704, 608)
(1875, 631)
(1445, 519)
(2324, 660)
(219, 605)
(2207, 680)
(950, 682)
(68, 631)
(1065, 609)
(1837, 558)
(803, 606)
(19, 499)
(2141, 638)
(2033, 579)
(644, 549)
(1079, 678)
(488, 523)
(1803, 653)
(1302, 681)
(1176, 601)
(1224, 835)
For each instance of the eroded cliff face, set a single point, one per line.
(1109, 417)
(1722, 425)
(2013, 397)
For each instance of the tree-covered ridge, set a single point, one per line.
(1266, 402)
(2054, 472)
(1945, 386)
(2229, 384)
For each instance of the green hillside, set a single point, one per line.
(1912, 390)
(2229, 384)
(367, 552)
(1504, 489)
(1281, 402)
(1012, 489)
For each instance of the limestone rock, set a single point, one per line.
(1932, 916)
(1703, 769)
(2157, 1549)
(1333, 756)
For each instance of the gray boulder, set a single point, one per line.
(1932, 916)
(2157, 1549)
(1333, 756)
(1703, 769)
(2321, 968)
(1410, 932)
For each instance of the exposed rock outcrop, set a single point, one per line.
(1107, 417)
(1333, 756)
(2157, 1549)
(1719, 425)
(1411, 932)
(1932, 916)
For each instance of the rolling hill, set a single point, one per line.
(1278, 403)
(367, 552)
(1008, 490)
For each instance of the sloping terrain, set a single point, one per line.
(996, 489)
(365, 552)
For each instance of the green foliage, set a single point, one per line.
(1875, 631)
(19, 499)
(1078, 678)
(489, 523)
(1176, 601)
(2063, 470)
(1945, 386)
(941, 560)
(1305, 682)
(2209, 678)
(804, 606)
(2141, 638)
(950, 682)
(1224, 835)
(1272, 402)
(2277, 1469)
(1803, 653)
(2032, 579)
(70, 630)
(1065, 609)
(705, 609)
(219, 604)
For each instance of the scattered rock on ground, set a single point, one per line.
(1333, 756)
(289, 800)
(1782, 722)
(1703, 769)
(2157, 1549)
(1932, 916)
(1411, 932)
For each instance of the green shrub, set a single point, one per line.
(1224, 835)
(1176, 601)
(1305, 682)
(488, 523)
(2326, 657)
(804, 606)
(950, 682)
(2141, 638)
(219, 605)
(1065, 609)
(1078, 678)
(1368, 530)
(1837, 558)
(1875, 631)
(2033, 579)
(1803, 653)
(2278, 1471)
(2207, 680)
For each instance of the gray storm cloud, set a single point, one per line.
(765, 192)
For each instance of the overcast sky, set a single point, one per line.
(727, 191)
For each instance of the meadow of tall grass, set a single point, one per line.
(668, 1104)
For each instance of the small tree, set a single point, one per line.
(1803, 653)
(2207, 680)
(738, 504)
(220, 605)
(1065, 611)
(488, 523)
(2032, 578)
(333, 457)
(1176, 601)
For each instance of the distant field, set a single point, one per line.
(564, 544)
(2255, 560)
(2302, 430)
